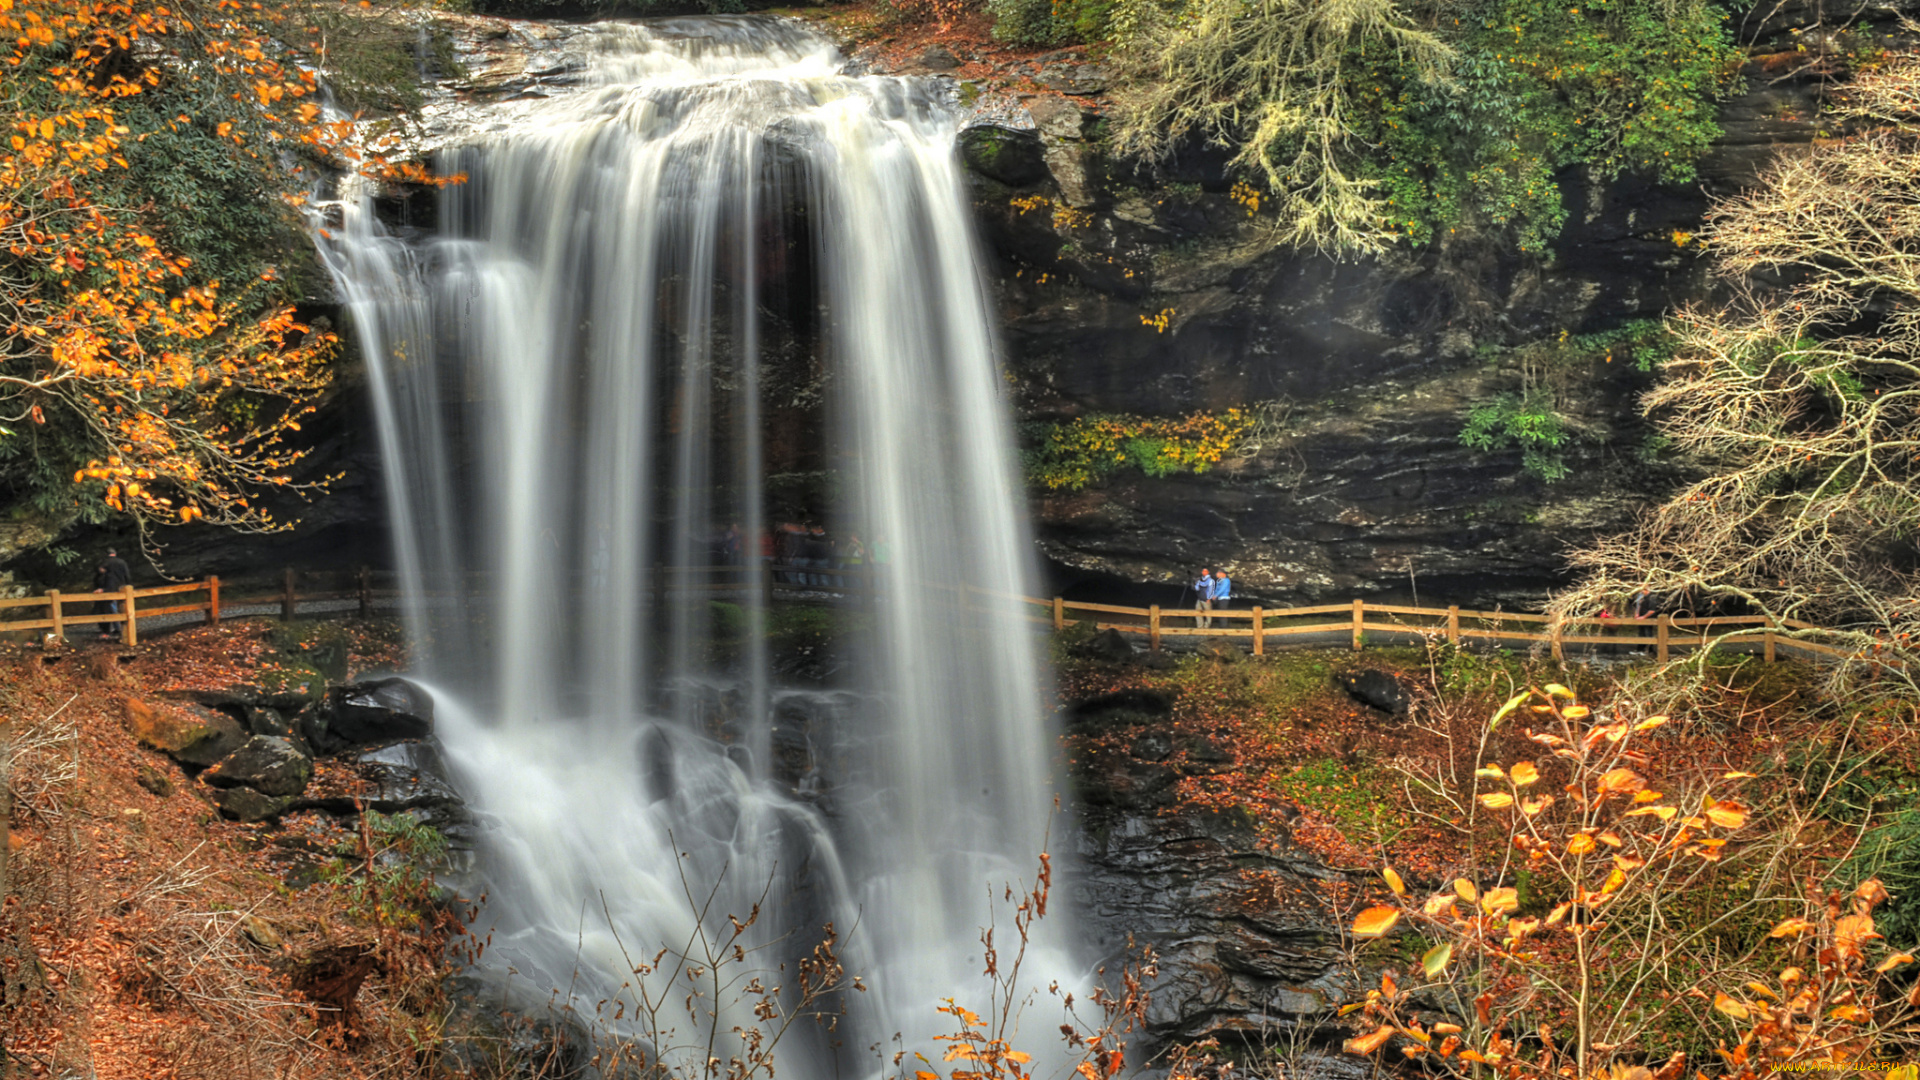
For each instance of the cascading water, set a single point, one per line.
(606, 354)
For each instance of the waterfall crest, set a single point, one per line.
(605, 354)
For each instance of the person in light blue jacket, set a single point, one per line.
(1221, 591)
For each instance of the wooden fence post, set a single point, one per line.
(1660, 646)
(1153, 628)
(1558, 627)
(1259, 635)
(1769, 639)
(213, 600)
(366, 594)
(1059, 613)
(53, 612)
(131, 635)
(288, 601)
(1359, 616)
(1453, 625)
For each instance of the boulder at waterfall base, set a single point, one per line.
(267, 764)
(369, 714)
(193, 735)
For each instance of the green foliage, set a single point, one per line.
(386, 874)
(1528, 422)
(1891, 852)
(1616, 85)
(1369, 131)
(1074, 454)
(1051, 22)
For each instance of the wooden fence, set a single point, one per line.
(1455, 624)
(365, 589)
(61, 608)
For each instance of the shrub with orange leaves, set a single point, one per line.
(1610, 925)
(132, 380)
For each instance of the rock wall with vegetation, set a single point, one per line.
(1449, 387)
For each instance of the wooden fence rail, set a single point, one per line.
(1264, 625)
(1258, 624)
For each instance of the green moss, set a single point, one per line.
(1359, 799)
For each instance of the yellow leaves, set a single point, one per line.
(1534, 806)
(1850, 932)
(1793, 927)
(1620, 782)
(1438, 903)
(1496, 800)
(1727, 814)
(1556, 690)
(1894, 961)
(1505, 710)
(1394, 882)
(1500, 901)
(1464, 890)
(1375, 921)
(1650, 723)
(1435, 960)
(1581, 844)
(1524, 774)
(1731, 1007)
(1490, 772)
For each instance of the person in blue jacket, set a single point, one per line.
(1222, 590)
(1203, 598)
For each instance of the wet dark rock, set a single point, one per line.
(1013, 158)
(1247, 950)
(269, 721)
(267, 764)
(369, 714)
(1153, 746)
(1109, 645)
(938, 58)
(1378, 689)
(239, 699)
(1122, 708)
(485, 1035)
(244, 804)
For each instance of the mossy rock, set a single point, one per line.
(1013, 158)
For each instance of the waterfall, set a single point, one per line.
(720, 286)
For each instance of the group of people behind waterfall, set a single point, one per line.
(1211, 592)
(801, 554)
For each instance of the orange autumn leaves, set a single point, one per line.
(178, 397)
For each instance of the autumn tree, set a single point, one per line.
(1636, 919)
(1799, 400)
(151, 364)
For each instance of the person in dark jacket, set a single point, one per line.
(111, 576)
(1203, 598)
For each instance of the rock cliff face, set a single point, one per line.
(1359, 477)
(1122, 290)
